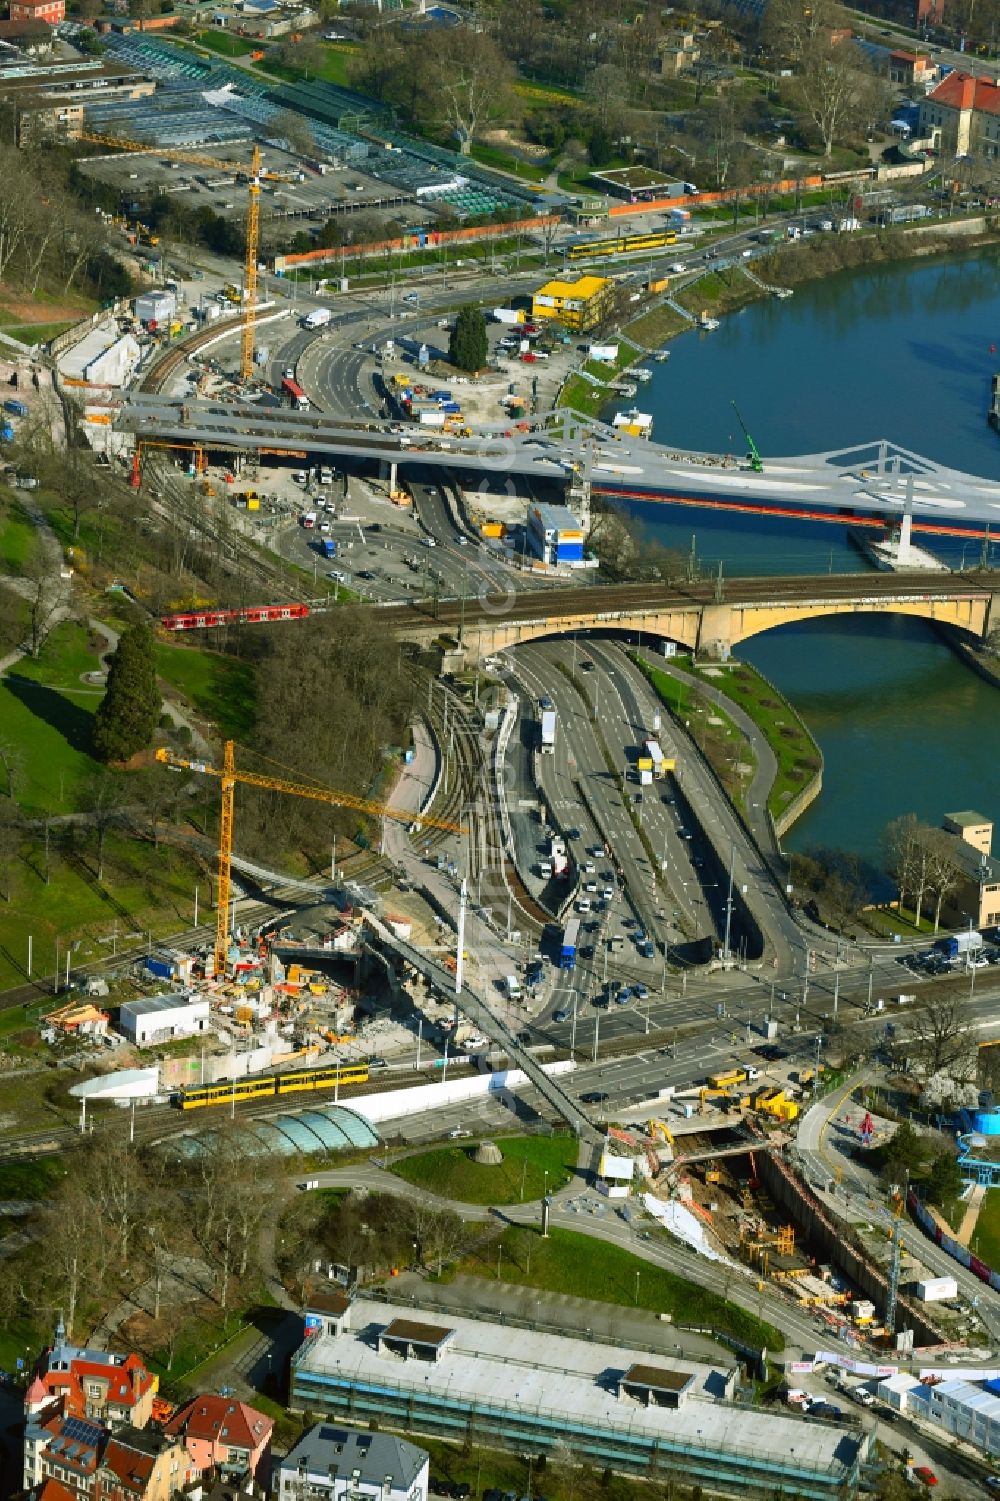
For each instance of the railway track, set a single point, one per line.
(161, 372)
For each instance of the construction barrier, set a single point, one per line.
(723, 195)
(428, 239)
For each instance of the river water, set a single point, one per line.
(900, 352)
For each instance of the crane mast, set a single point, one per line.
(250, 271)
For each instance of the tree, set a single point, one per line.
(833, 80)
(10, 845)
(293, 128)
(944, 873)
(468, 346)
(130, 709)
(45, 600)
(899, 842)
(938, 1036)
(471, 79)
(102, 800)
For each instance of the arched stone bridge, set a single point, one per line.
(708, 617)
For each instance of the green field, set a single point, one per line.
(218, 687)
(225, 43)
(46, 713)
(503, 161)
(333, 70)
(520, 1178)
(569, 1262)
(986, 1236)
(18, 539)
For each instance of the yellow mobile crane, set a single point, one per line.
(229, 776)
(196, 158)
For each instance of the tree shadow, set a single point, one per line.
(73, 723)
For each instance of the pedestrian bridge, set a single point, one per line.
(710, 618)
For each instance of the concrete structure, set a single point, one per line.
(471, 1378)
(123, 1084)
(962, 115)
(350, 1464)
(579, 305)
(974, 828)
(225, 1437)
(555, 534)
(102, 358)
(163, 1017)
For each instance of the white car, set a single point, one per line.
(477, 1042)
(583, 905)
(589, 867)
(428, 541)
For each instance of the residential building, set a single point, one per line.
(351, 1464)
(911, 69)
(65, 1450)
(225, 1436)
(579, 305)
(142, 1465)
(675, 53)
(975, 895)
(160, 1018)
(93, 1384)
(473, 1379)
(51, 11)
(554, 534)
(962, 116)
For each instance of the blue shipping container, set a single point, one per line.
(160, 967)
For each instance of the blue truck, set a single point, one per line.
(570, 939)
(328, 547)
(15, 408)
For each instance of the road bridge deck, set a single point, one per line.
(870, 482)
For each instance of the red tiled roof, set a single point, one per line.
(130, 1467)
(221, 1420)
(126, 1384)
(962, 91)
(54, 1490)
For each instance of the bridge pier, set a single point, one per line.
(387, 470)
(715, 632)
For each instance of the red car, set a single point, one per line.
(926, 1474)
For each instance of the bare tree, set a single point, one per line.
(938, 1034)
(101, 800)
(899, 843)
(44, 596)
(12, 764)
(944, 873)
(469, 80)
(10, 845)
(833, 80)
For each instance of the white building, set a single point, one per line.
(102, 358)
(969, 1412)
(161, 1018)
(333, 1463)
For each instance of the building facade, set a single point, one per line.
(225, 1436)
(554, 534)
(578, 305)
(349, 1464)
(962, 116)
(50, 11)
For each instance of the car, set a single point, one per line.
(607, 893)
(377, 1063)
(623, 997)
(462, 1490)
(589, 867)
(992, 1482)
(561, 1015)
(586, 665)
(454, 1136)
(593, 1097)
(583, 905)
(591, 887)
(365, 573)
(642, 992)
(523, 1037)
(375, 526)
(926, 1474)
(462, 540)
(587, 952)
(477, 1042)
(288, 373)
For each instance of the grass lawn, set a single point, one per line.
(720, 753)
(217, 686)
(503, 161)
(225, 44)
(657, 326)
(144, 889)
(31, 1180)
(46, 711)
(451, 1172)
(569, 1262)
(18, 539)
(582, 395)
(986, 1236)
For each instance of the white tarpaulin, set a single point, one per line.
(682, 1223)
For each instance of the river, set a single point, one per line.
(898, 351)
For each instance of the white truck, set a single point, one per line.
(318, 318)
(548, 731)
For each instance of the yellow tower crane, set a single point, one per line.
(197, 158)
(250, 271)
(229, 776)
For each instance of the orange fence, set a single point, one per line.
(422, 240)
(724, 195)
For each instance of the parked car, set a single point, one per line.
(926, 1474)
(561, 1015)
(593, 1097)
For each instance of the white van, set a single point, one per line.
(512, 986)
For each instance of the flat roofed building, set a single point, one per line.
(974, 828)
(579, 304)
(161, 1017)
(529, 1391)
(350, 1464)
(655, 1386)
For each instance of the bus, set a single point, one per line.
(622, 244)
(570, 939)
(296, 396)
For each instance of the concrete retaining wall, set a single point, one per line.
(833, 1241)
(397, 1102)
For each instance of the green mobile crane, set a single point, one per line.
(755, 460)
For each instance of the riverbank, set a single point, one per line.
(795, 263)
